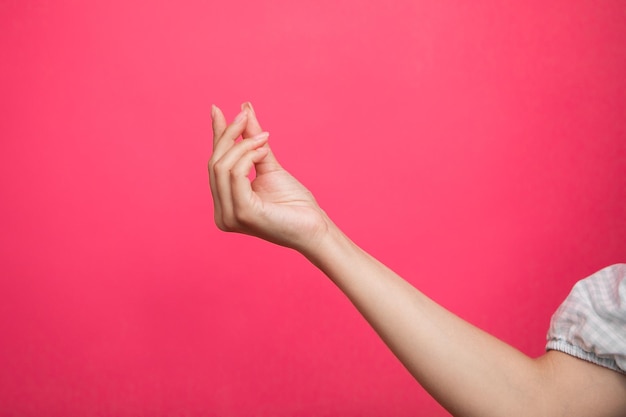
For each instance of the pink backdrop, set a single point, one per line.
(477, 148)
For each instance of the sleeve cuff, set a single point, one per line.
(566, 347)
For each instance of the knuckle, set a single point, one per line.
(236, 171)
(230, 224)
(221, 165)
(218, 166)
(219, 222)
(225, 223)
(243, 216)
(220, 225)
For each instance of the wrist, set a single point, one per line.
(328, 244)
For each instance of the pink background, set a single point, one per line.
(477, 148)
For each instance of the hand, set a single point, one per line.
(274, 205)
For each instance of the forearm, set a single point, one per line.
(468, 371)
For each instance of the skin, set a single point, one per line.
(465, 369)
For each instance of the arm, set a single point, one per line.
(468, 371)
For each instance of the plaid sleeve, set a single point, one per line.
(591, 322)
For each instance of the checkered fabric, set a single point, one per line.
(591, 322)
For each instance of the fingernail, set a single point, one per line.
(213, 111)
(247, 105)
(260, 137)
(240, 117)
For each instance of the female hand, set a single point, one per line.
(274, 205)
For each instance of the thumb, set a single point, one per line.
(253, 127)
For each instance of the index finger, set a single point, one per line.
(218, 123)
